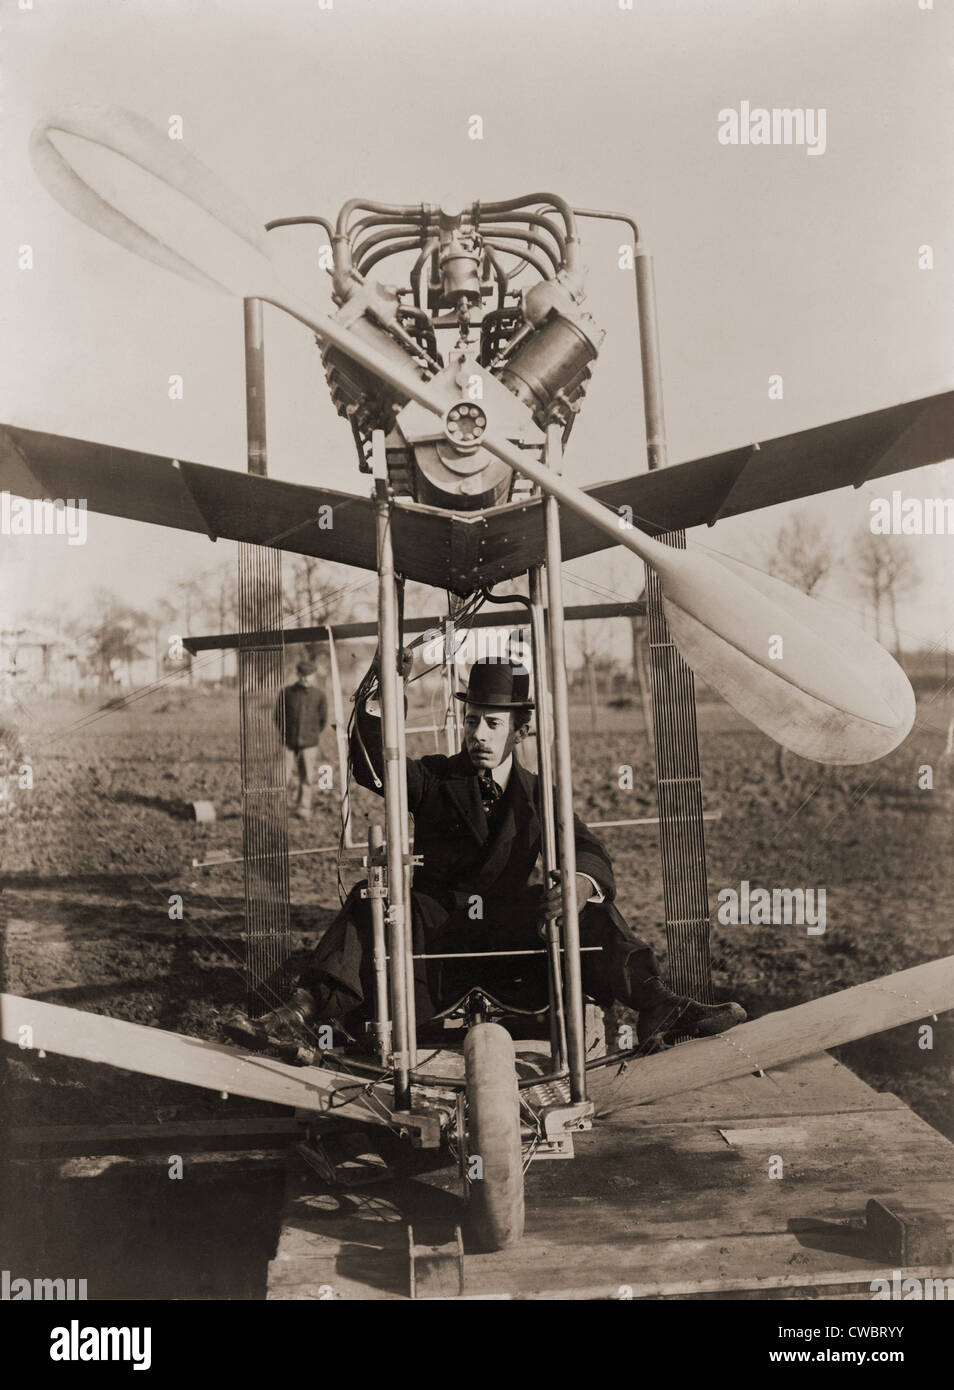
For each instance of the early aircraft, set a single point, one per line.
(461, 390)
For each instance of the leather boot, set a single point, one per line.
(288, 1023)
(664, 1015)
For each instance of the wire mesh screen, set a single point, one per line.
(679, 791)
(264, 807)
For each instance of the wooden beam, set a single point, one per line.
(782, 1037)
(209, 1162)
(193, 1061)
(767, 1042)
(161, 1135)
(511, 617)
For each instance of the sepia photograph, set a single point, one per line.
(477, 666)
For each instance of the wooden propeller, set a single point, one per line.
(788, 663)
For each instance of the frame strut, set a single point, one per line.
(538, 633)
(341, 738)
(576, 1047)
(395, 782)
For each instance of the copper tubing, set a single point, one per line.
(415, 277)
(410, 244)
(399, 211)
(528, 200)
(610, 217)
(398, 223)
(300, 221)
(656, 448)
(533, 219)
(500, 275)
(378, 238)
(531, 238)
(543, 270)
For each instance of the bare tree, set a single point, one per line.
(308, 590)
(192, 603)
(885, 571)
(116, 637)
(316, 591)
(227, 611)
(802, 554)
(589, 650)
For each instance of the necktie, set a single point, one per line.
(489, 791)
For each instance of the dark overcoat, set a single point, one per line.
(478, 889)
(301, 714)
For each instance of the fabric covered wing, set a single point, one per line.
(700, 492)
(189, 496)
(463, 552)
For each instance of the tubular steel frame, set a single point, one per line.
(548, 638)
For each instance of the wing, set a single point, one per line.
(189, 496)
(846, 453)
(234, 505)
(774, 1039)
(464, 551)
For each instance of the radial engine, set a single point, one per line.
(492, 314)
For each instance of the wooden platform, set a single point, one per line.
(671, 1199)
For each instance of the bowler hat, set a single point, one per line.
(497, 685)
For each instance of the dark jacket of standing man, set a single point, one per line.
(302, 710)
(301, 714)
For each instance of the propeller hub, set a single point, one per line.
(464, 425)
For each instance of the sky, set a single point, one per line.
(768, 260)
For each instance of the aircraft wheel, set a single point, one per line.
(493, 1137)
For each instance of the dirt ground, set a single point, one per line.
(93, 852)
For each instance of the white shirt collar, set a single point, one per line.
(501, 774)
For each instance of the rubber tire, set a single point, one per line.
(493, 1133)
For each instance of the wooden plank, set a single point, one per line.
(782, 1037)
(767, 1042)
(205, 1162)
(667, 1182)
(343, 1245)
(814, 1283)
(186, 1134)
(193, 1061)
(670, 1209)
(811, 1086)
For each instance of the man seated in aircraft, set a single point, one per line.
(477, 830)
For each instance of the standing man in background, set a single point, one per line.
(301, 714)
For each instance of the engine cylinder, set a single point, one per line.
(358, 393)
(555, 355)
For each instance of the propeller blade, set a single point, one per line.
(830, 693)
(789, 663)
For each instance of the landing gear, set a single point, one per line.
(494, 1153)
